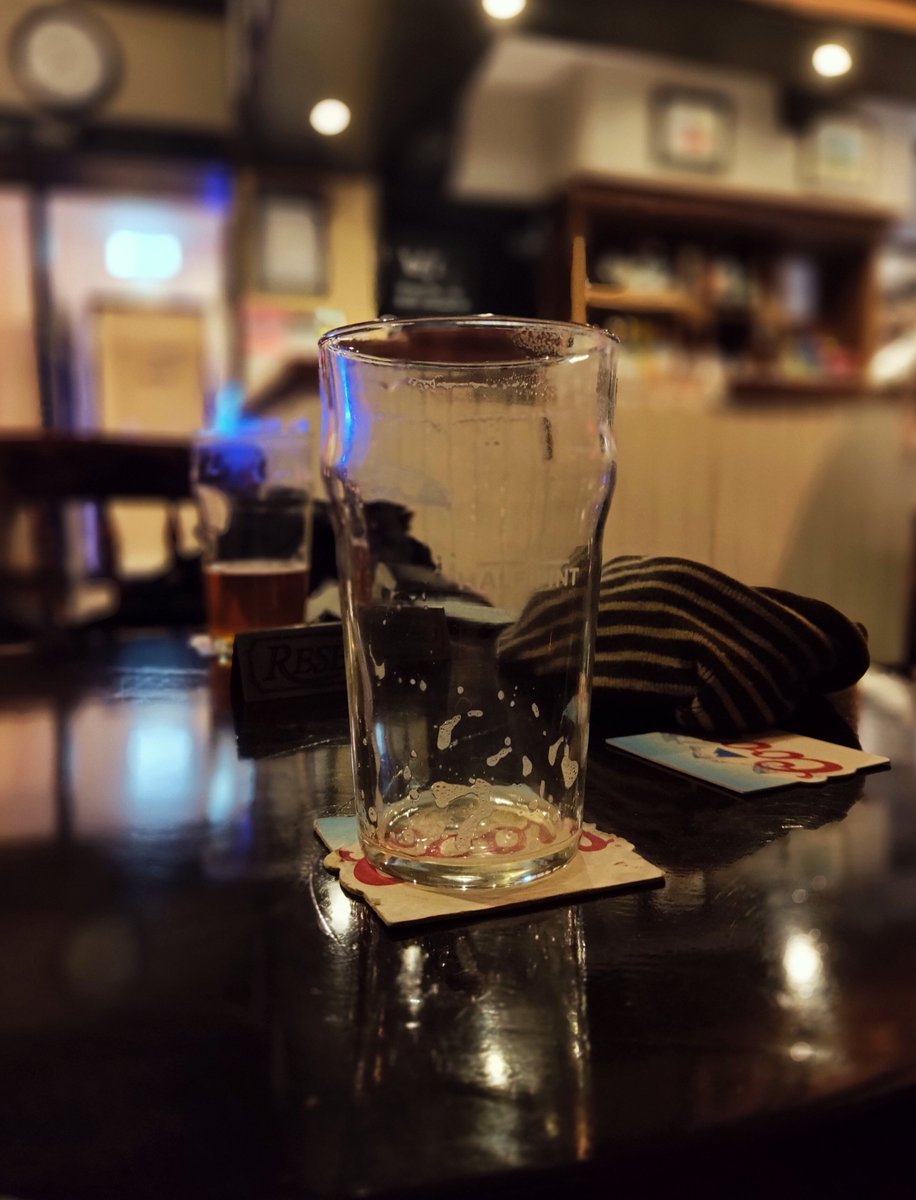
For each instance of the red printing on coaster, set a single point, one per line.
(364, 872)
(591, 841)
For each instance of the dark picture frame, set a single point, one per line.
(692, 129)
(291, 256)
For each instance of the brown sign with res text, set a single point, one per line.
(276, 664)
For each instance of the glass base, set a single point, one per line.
(462, 873)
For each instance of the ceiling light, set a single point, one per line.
(503, 10)
(329, 117)
(831, 59)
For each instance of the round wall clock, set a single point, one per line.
(65, 58)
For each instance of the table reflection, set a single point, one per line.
(28, 761)
(492, 1019)
(93, 769)
(137, 766)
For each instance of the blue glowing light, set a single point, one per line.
(227, 408)
(216, 188)
(345, 426)
(130, 254)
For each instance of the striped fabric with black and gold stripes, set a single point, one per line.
(710, 654)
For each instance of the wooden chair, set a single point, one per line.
(40, 475)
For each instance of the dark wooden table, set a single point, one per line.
(191, 1007)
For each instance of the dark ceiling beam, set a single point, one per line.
(212, 8)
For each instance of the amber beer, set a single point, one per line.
(254, 594)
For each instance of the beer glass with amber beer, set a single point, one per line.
(254, 498)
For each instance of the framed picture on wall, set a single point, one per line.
(150, 366)
(838, 149)
(691, 128)
(429, 273)
(291, 251)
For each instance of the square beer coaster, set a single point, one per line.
(603, 863)
(750, 764)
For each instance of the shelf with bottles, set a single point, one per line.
(611, 299)
(777, 325)
(808, 363)
(778, 293)
(663, 361)
(679, 278)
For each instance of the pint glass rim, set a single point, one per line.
(590, 339)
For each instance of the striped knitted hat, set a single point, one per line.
(681, 645)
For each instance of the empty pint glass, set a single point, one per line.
(469, 465)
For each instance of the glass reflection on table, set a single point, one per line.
(503, 1003)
